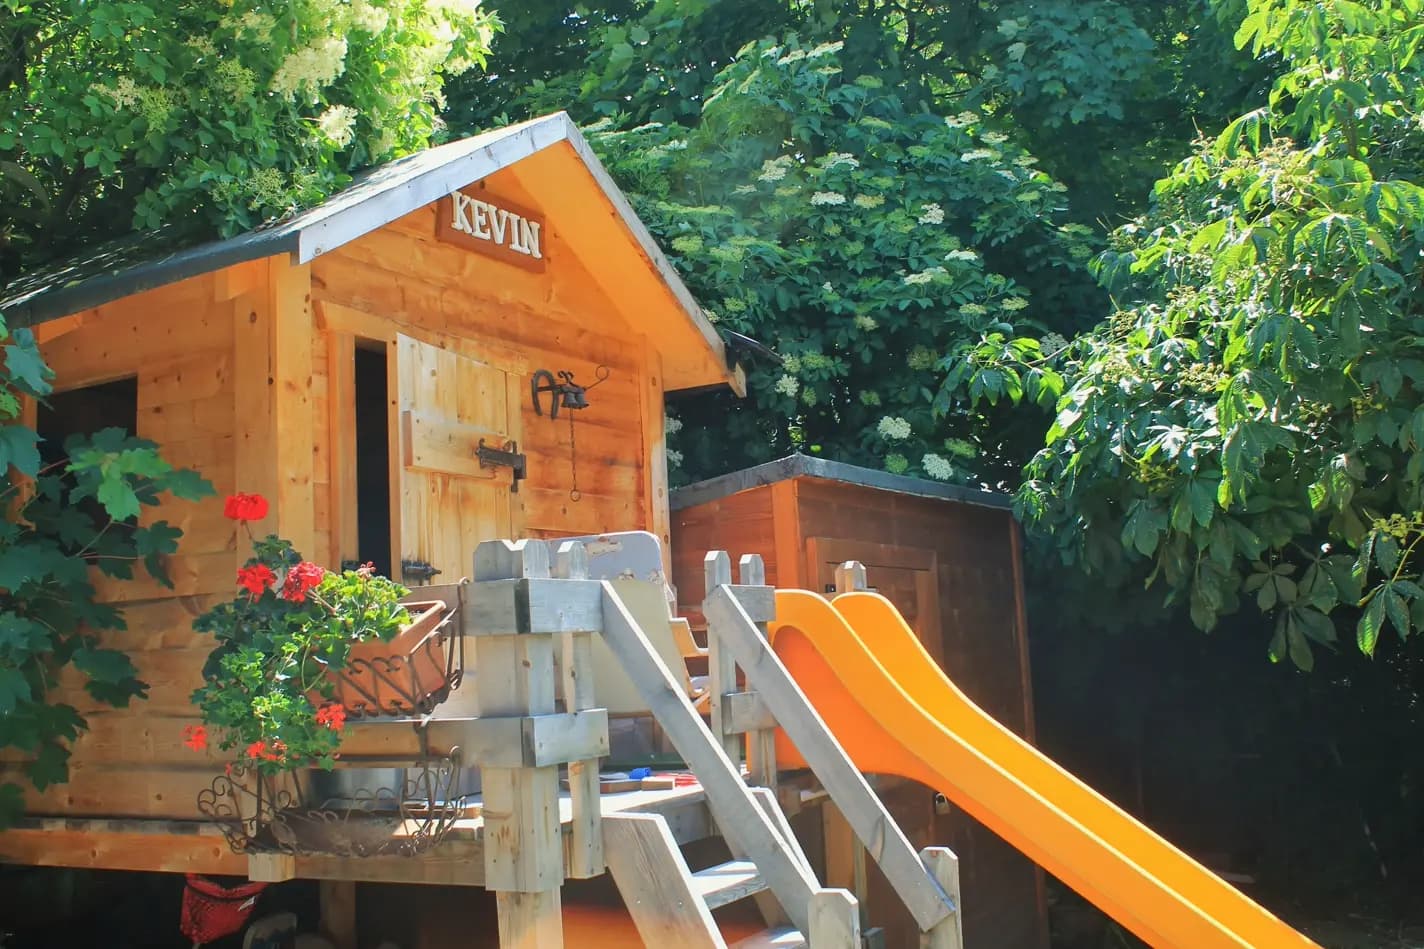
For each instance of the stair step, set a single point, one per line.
(781, 938)
(727, 883)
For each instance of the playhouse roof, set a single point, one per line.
(805, 466)
(693, 350)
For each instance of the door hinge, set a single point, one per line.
(507, 457)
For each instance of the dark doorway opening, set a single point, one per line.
(84, 411)
(373, 460)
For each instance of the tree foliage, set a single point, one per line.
(1248, 427)
(210, 117)
(859, 237)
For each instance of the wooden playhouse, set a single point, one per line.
(386, 369)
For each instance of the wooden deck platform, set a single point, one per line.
(199, 846)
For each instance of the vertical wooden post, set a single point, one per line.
(584, 858)
(850, 577)
(845, 854)
(514, 677)
(761, 744)
(721, 668)
(835, 920)
(338, 912)
(943, 865)
(845, 857)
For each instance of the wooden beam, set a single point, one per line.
(758, 601)
(655, 483)
(653, 880)
(721, 667)
(835, 920)
(338, 912)
(294, 422)
(524, 856)
(744, 712)
(341, 424)
(271, 867)
(532, 605)
(943, 865)
(845, 855)
(584, 853)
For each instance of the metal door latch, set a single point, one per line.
(507, 457)
(417, 571)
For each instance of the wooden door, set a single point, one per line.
(906, 576)
(443, 503)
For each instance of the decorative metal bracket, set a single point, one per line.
(507, 457)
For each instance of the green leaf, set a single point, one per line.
(19, 447)
(1367, 631)
(50, 765)
(26, 366)
(118, 497)
(1316, 625)
(14, 689)
(1397, 611)
(1299, 649)
(105, 665)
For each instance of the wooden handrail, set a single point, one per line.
(735, 631)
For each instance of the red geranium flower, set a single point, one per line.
(195, 737)
(258, 749)
(245, 507)
(332, 715)
(256, 579)
(300, 579)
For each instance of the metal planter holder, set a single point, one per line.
(412, 674)
(281, 813)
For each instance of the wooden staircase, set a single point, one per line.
(517, 611)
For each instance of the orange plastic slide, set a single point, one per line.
(895, 712)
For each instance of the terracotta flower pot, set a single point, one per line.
(408, 675)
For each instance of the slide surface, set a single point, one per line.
(895, 712)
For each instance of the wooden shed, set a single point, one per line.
(950, 560)
(368, 366)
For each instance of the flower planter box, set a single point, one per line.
(409, 675)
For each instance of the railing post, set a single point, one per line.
(845, 854)
(584, 857)
(850, 577)
(721, 667)
(761, 743)
(835, 920)
(943, 865)
(514, 677)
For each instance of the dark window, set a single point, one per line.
(84, 412)
(373, 461)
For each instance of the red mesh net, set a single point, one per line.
(211, 910)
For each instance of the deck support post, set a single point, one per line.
(761, 743)
(514, 677)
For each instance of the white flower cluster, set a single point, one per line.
(788, 386)
(367, 17)
(674, 458)
(1013, 304)
(924, 276)
(994, 138)
(671, 424)
(311, 67)
(931, 214)
(837, 159)
(937, 467)
(338, 125)
(827, 198)
(868, 201)
(744, 189)
(1051, 343)
(973, 309)
(966, 255)
(866, 323)
(893, 428)
(827, 287)
(774, 169)
(979, 154)
(962, 119)
(123, 93)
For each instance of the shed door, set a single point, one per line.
(444, 503)
(906, 576)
